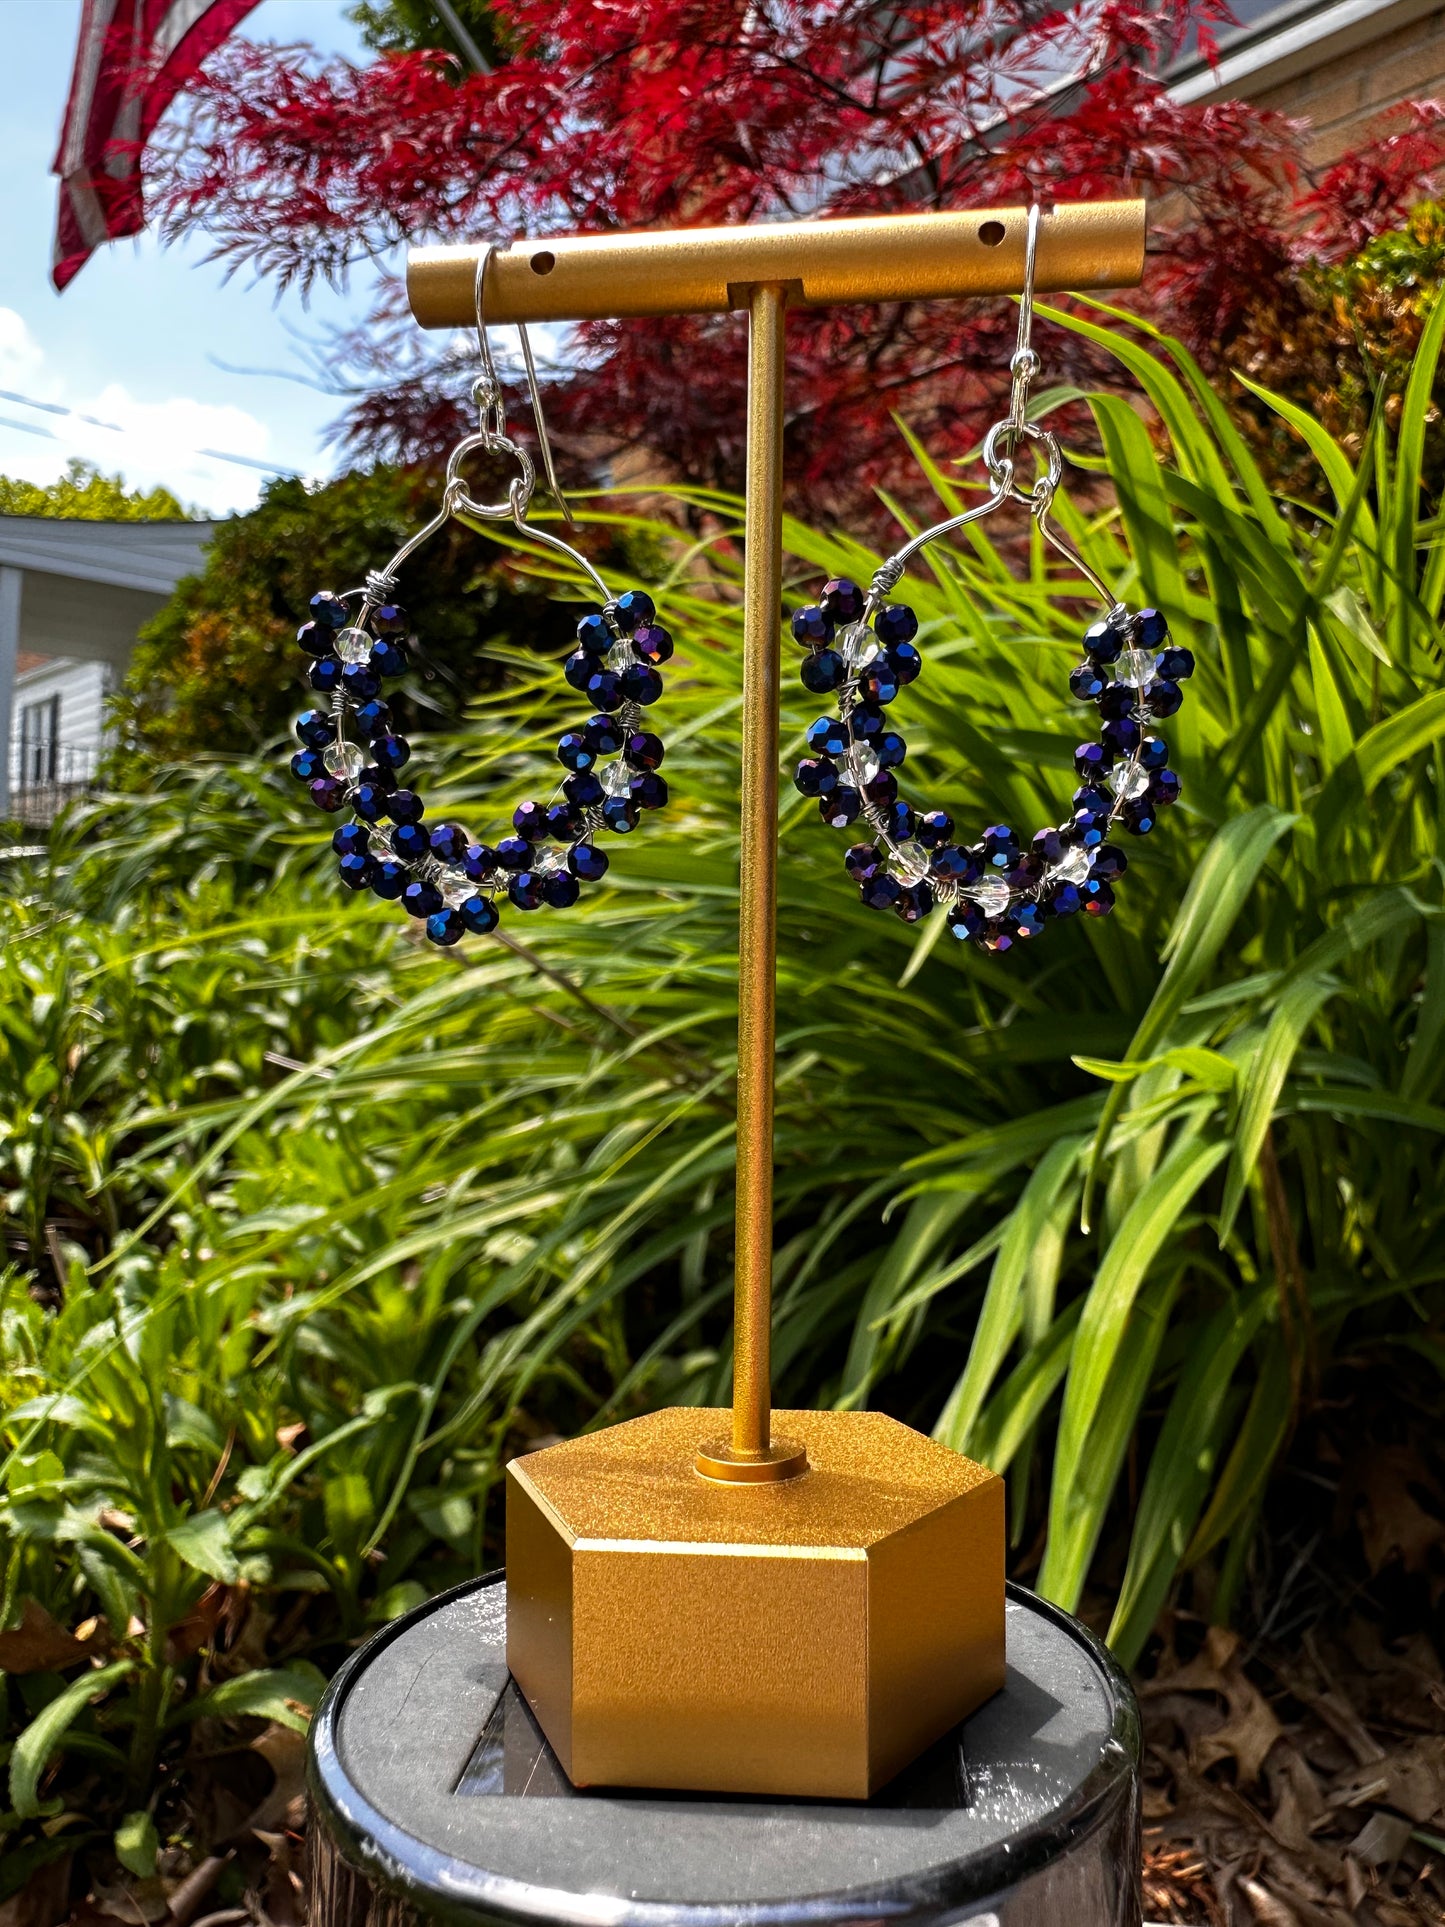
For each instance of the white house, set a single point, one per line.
(73, 597)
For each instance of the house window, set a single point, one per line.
(39, 742)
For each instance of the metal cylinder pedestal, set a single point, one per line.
(434, 1797)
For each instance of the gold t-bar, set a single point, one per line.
(764, 270)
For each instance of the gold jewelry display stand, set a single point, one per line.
(733, 1611)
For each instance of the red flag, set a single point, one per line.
(133, 58)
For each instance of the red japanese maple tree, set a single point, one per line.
(635, 113)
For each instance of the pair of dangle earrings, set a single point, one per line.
(352, 757)
(860, 648)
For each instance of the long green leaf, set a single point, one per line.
(48, 1729)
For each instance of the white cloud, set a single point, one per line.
(148, 442)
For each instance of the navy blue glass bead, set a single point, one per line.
(564, 823)
(405, 806)
(445, 926)
(640, 683)
(812, 627)
(1103, 642)
(328, 609)
(315, 728)
(822, 672)
(966, 920)
(380, 777)
(880, 891)
(574, 751)
(389, 620)
(1110, 863)
(901, 822)
(579, 669)
(1062, 899)
(828, 736)
(360, 681)
(620, 814)
(934, 829)
(1138, 815)
(915, 901)
(392, 752)
(842, 600)
(1098, 898)
(1117, 700)
(895, 622)
(479, 860)
(449, 842)
(997, 936)
(584, 790)
(605, 735)
(1000, 847)
(1027, 874)
(355, 870)
(1163, 698)
(1026, 921)
(514, 853)
(867, 722)
(1085, 683)
(1049, 846)
(1121, 737)
(1164, 788)
(643, 751)
(634, 608)
(369, 801)
(603, 689)
(1088, 829)
(479, 914)
(1151, 631)
(561, 890)
(861, 860)
(593, 634)
(421, 898)
(411, 841)
(882, 788)
(373, 719)
(1153, 753)
(955, 864)
(1090, 798)
(1092, 760)
(389, 879)
(649, 791)
(317, 638)
(388, 658)
(586, 861)
(527, 889)
(325, 676)
(840, 807)
(530, 820)
(906, 660)
(351, 839)
(816, 776)
(653, 643)
(327, 792)
(306, 765)
(1175, 665)
(889, 748)
(878, 681)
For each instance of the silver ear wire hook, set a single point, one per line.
(490, 396)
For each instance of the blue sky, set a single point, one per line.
(138, 337)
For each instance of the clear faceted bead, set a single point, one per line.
(617, 780)
(380, 842)
(353, 645)
(857, 644)
(1135, 666)
(912, 859)
(455, 888)
(1074, 868)
(550, 861)
(1128, 781)
(343, 759)
(864, 766)
(991, 896)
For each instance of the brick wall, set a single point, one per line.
(1343, 96)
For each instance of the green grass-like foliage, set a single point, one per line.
(428, 1205)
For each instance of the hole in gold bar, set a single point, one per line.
(991, 233)
(544, 262)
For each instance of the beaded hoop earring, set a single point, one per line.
(443, 875)
(995, 892)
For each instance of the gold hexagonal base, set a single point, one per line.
(805, 1637)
